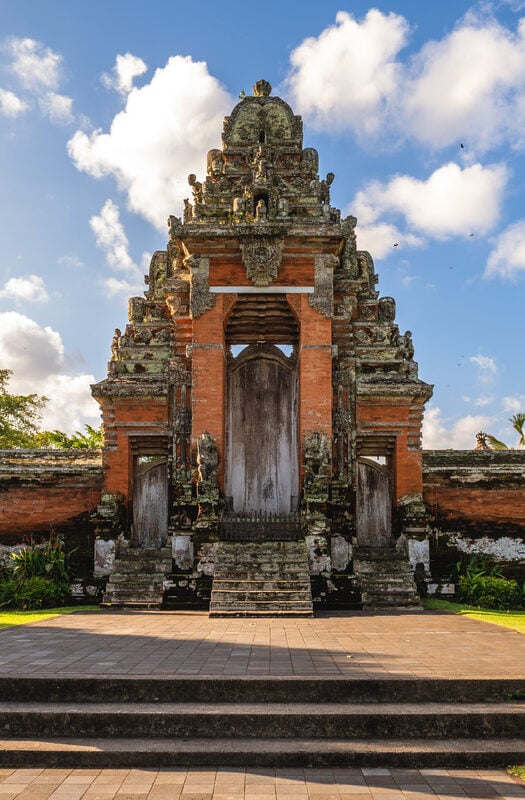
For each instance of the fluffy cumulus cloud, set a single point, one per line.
(111, 238)
(36, 356)
(36, 66)
(443, 434)
(468, 86)
(507, 259)
(11, 105)
(382, 238)
(345, 76)
(39, 71)
(126, 69)
(160, 135)
(451, 202)
(29, 288)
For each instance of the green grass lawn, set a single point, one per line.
(509, 619)
(8, 618)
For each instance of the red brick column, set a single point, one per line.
(209, 378)
(315, 373)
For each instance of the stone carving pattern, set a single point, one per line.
(316, 464)
(323, 297)
(201, 299)
(261, 257)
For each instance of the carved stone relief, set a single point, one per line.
(261, 257)
(323, 297)
(201, 299)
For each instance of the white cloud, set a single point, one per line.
(161, 134)
(31, 288)
(126, 69)
(487, 368)
(71, 260)
(441, 434)
(57, 107)
(344, 77)
(11, 105)
(382, 239)
(468, 86)
(111, 238)
(36, 66)
(36, 357)
(507, 259)
(514, 403)
(451, 202)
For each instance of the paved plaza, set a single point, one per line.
(257, 784)
(355, 645)
(418, 644)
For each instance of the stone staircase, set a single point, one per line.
(386, 579)
(138, 576)
(132, 721)
(268, 578)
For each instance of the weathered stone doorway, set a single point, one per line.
(261, 426)
(374, 504)
(150, 501)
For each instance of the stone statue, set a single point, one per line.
(316, 463)
(482, 441)
(387, 309)
(115, 344)
(215, 162)
(324, 189)
(207, 459)
(188, 211)
(261, 212)
(196, 187)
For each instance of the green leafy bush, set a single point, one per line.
(35, 576)
(489, 591)
(35, 592)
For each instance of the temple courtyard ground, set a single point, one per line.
(160, 645)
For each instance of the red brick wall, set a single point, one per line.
(43, 490)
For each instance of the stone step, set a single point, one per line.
(260, 579)
(247, 689)
(157, 753)
(125, 568)
(137, 579)
(265, 584)
(279, 604)
(267, 720)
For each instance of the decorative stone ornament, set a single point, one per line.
(262, 89)
(261, 256)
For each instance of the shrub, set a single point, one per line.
(35, 592)
(489, 591)
(35, 576)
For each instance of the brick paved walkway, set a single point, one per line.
(353, 645)
(430, 644)
(257, 784)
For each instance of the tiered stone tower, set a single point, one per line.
(261, 389)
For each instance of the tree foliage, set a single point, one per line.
(20, 415)
(518, 423)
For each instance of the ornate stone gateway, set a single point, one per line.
(259, 367)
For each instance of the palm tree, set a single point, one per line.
(518, 423)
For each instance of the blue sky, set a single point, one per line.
(418, 109)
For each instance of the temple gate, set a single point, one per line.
(265, 371)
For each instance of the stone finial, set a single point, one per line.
(261, 89)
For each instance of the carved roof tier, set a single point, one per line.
(262, 174)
